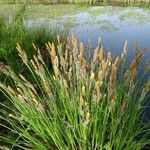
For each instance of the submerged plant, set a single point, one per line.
(80, 105)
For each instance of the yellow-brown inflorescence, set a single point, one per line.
(100, 69)
(131, 74)
(71, 68)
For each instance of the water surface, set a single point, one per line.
(113, 24)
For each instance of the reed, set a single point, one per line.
(81, 105)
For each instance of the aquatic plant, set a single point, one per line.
(106, 25)
(140, 17)
(99, 11)
(80, 105)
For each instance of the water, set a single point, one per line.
(113, 24)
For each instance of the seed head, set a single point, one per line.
(101, 54)
(116, 63)
(66, 55)
(95, 56)
(71, 60)
(92, 75)
(81, 51)
(113, 76)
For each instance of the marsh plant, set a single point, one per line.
(85, 103)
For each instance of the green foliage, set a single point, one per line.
(91, 2)
(140, 17)
(81, 105)
(15, 31)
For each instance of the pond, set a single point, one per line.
(113, 24)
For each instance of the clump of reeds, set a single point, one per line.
(80, 105)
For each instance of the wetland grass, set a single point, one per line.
(81, 105)
(16, 31)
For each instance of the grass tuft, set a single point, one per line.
(81, 105)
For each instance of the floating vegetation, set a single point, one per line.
(51, 10)
(69, 22)
(107, 25)
(39, 10)
(136, 15)
(99, 11)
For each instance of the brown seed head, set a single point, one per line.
(101, 54)
(100, 75)
(75, 52)
(113, 76)
(81, 51)
(116, 63)
(95, 56)
(53, 51)
(92, 75)
(109, 56)
(58, 39)
(84, 64)
(66, 55)
(83, 102)
(71, 60)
